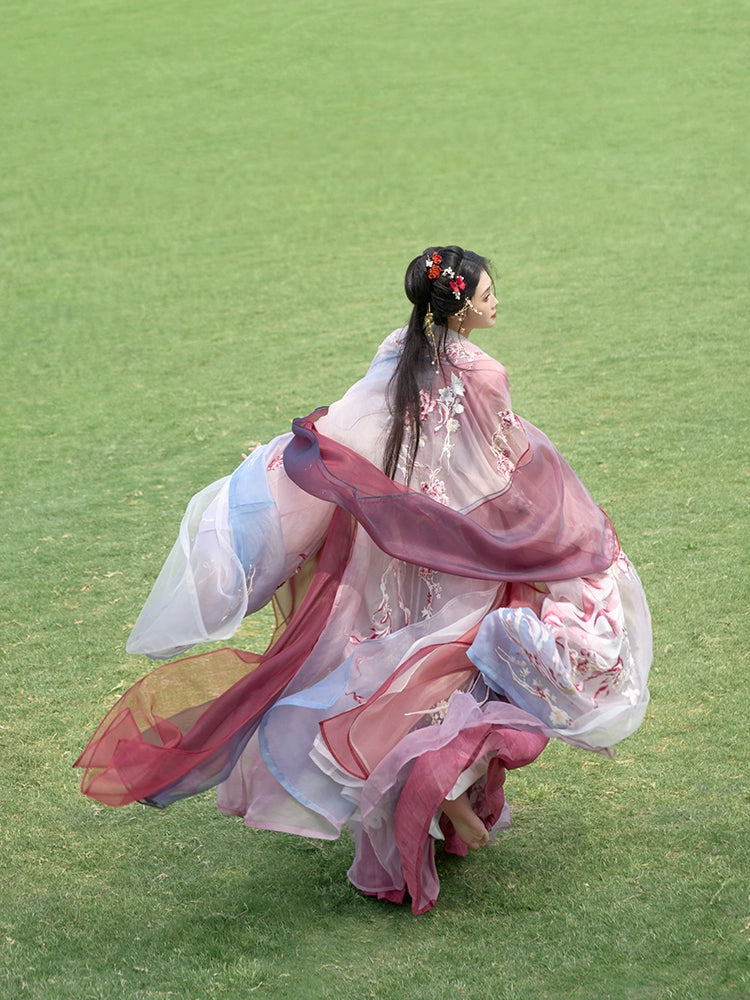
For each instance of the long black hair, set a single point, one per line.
(436, 295)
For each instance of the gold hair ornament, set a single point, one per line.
(429, 333)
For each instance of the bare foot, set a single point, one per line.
(467, 824)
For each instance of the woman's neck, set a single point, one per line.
(454, 325)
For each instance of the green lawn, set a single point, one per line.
(206, 210)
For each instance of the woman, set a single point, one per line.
(448, 596)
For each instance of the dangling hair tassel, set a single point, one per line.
(430, 334)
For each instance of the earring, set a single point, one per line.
(463, 310)
(461, 315)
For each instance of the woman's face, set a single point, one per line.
(482, 316)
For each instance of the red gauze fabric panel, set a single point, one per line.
(543, 526)
(181, 728)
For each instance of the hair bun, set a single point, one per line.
(416, 282)
(441, 279)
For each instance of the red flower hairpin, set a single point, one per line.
(457, 282)
(434, 270)
(458, 286)
(433, 266)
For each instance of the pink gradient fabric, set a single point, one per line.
(455, 617)
(542, 526)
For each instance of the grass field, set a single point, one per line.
(206, 210)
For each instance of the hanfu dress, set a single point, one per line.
(434, 630)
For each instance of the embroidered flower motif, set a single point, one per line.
(434, 715)
(505, 467)
(560, 719)
(438, 711)
(426, 404)
(275, 463)
(382, 618)
(447, 406)
(501, 445)
(435, 488)
(461, 350)
(449, 398)
(433, 587)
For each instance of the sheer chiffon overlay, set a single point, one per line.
(433, 631)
